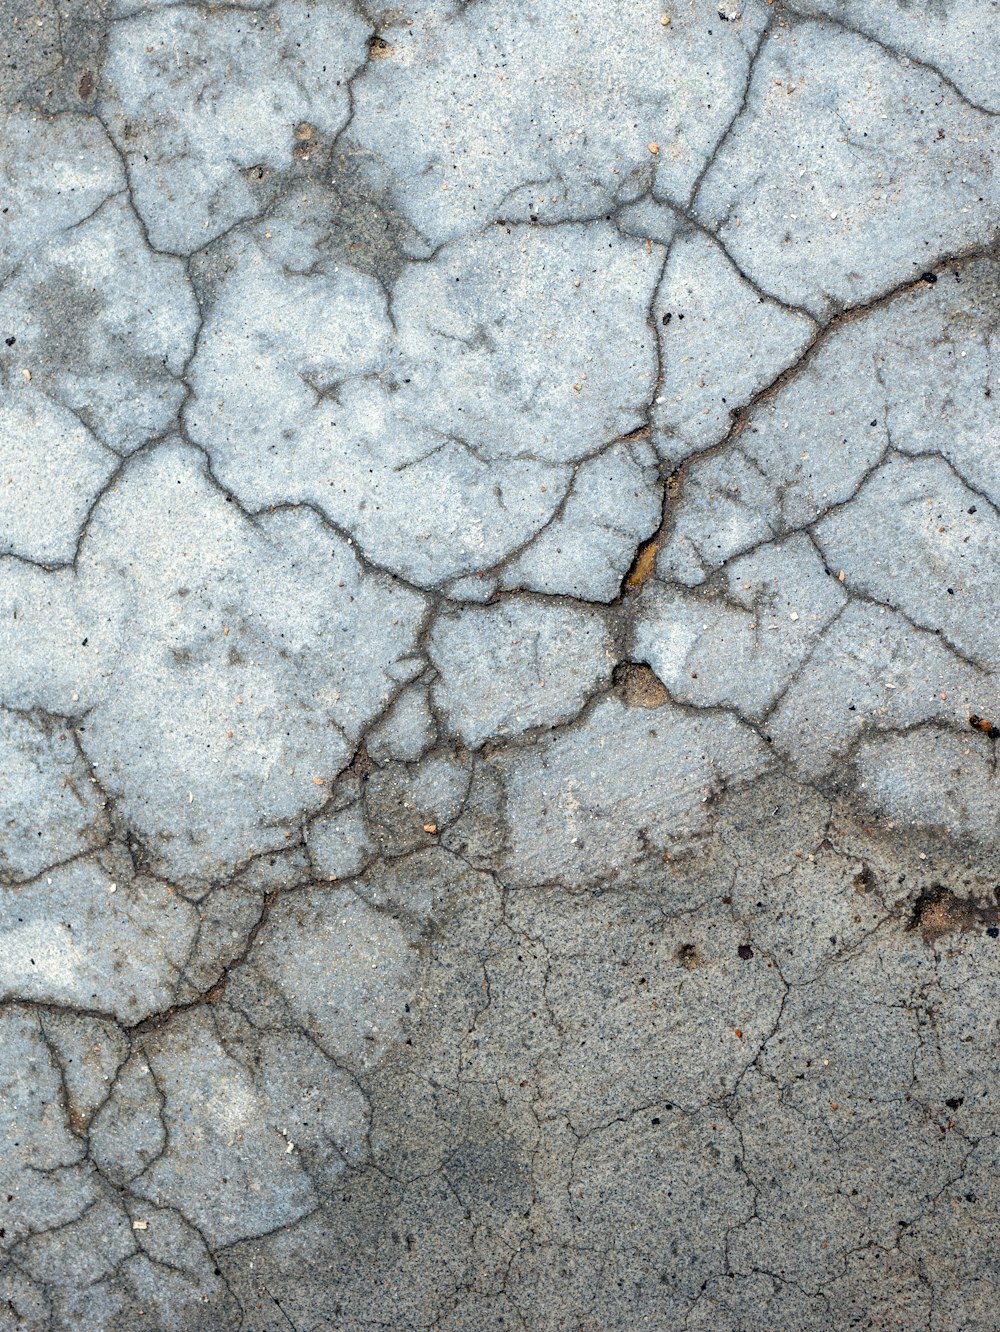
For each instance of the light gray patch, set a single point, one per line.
(591, 804)
(740, 644)
(343, 969)
(872, 672)
(225, 1166)
(866, 177)
(128, 1132)
(516, 665)
(585, 550)
(45, 1185)
(50, 810)
(710, 373)
(932, 777)
(616, 81)
(245, 634)
(103, 327)
(52, 470)
(516, 346)
(75, 936)
(952, 37)
(57, 172)
(339, 844)
(938, 563)
(197, 101)
(409, 729)
(424, 428)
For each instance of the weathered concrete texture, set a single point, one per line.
(499, 668)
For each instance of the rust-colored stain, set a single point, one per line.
(986, 727)
(644, 564)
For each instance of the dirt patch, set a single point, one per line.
(638, 686)
(938, 911)
(361, 766)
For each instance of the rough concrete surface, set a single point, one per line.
(499, 665)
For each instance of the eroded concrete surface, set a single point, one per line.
(500, 529)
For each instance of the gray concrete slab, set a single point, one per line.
(499, 666)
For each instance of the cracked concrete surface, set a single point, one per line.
(499, 565)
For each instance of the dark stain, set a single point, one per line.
(689, 957)
(864, 880)
(360, 219)
(938, 911)
(360, 766)
(48, 51)
(68, 311)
